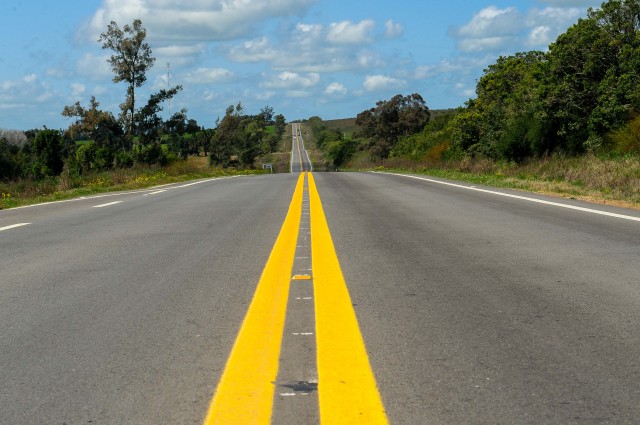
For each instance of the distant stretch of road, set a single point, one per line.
(299, 155)
(320, 298)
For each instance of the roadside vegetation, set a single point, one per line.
(100, 152)
(565, 121)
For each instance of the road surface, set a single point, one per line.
(472, 306)
(299, 155)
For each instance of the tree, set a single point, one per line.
(238, 139)
(280, 124)
(130, 62)
(94, 124)
(266, 115)
(391, 119)
(47, 151)
(149, 122)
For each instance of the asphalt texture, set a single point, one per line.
(474, 308)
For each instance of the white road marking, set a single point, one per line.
(13, 226)
(155, 193)
(524, 198)
(106, 205)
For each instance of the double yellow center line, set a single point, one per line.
(347, 390)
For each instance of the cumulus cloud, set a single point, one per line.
(346, 32)
(292, 81)
(181, 32)
(335, 89)
(209, 76)
(382, 83)
(393, 29)
(496, 30)
(77, 89)
(489, 29)
(311, 47)
(192, 20)
(576, 3)
(29, 88)
(94, 66)
(256, 50)
(544, 25)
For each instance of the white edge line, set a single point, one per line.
(112, 194)
(523, 198)
(106, 205)
(13, 226)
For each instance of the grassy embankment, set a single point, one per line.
(601, 179)
(67, 186)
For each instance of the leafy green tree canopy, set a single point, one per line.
(130, 61)
(383, 125)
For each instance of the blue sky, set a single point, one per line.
(332, 58)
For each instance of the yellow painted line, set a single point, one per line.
(347, 389)
(245, 392)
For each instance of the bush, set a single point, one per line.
(627, 138)
(149, 154)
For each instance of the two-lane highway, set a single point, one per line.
(473, 305)
(300, 161)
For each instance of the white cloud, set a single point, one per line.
(24, 92)
(335, 89)
(179, 55)
(578, 3)
(545, 25)
(369, 60)
(298, 93)
(382, 82)
(292, 80)
(305, 48)
(392, 29)
(489, 29)
(265, 95)
(77, 89)
(185, 21)
(257, 50)
(346, 32)
(209, 76)
(94, 67)
(509, 30)
(539, 36)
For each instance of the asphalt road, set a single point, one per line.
(299, 155)
(475, 308)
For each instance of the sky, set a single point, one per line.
(303, 58)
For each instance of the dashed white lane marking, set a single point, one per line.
(523, 198)
(13, 226)
(106, 205)
(155, 193)
(302, 333)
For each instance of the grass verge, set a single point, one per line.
(613, 181)
(67, 186)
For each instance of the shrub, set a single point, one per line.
(627, 138)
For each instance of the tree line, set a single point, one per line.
(97, 140)
(582, 95)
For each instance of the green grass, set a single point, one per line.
(67, 186)
(603, 180)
